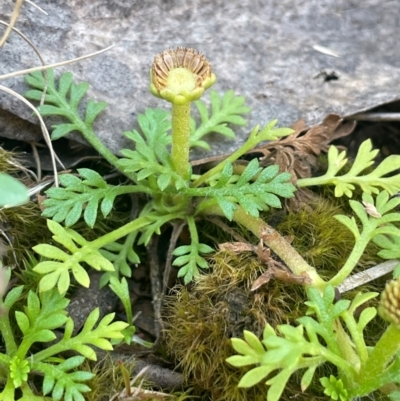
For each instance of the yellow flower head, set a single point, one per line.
(180, 76)
(389, 307)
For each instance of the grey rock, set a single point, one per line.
(264, 50)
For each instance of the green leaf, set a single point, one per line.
(50, 251)
(60, 130)
(121, 255)
(93, 109)
(289, 349)
(254, 376)
(232, 190)
(22, 321)
(239, 360)
(95, 333)
(334, 388)
(369, 182)
(190, 261)
(245, 348)
(307, 377)
(63, 100)
(12, 192)
(59, 381)
(390, 245)
(151, 157)
(13, 296)
(121, 289)
(224, 110)
(19, 370)
(254, 342)
(56, 273)
(77, 195)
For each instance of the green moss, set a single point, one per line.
(201, 321)
(322, 240)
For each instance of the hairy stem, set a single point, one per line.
(352, 260)
(180, 138)
(276, 242)
(248, 145)
(6, 331)
(356, 336)
(121, 232)
(95, 142)
(382, 354)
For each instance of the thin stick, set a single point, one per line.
(13, 20)
(43, 127)
(27, 40)
(368, 275)
(45, 67)
(37, 160)
(375, 117)
(36, 6)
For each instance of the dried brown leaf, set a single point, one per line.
(298, 152)
(279, 272)
(236, 247)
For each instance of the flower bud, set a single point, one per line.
(389, 308)
(180, 76)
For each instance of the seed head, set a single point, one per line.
(180, 76)
(389, 307)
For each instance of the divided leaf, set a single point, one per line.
(224, 110)
(376, 220)
(80, 195)
(41, 315)
(121, 255)
(189, 260)
(57, 272)
(231, 190)
(63, 100)
(151, 156)
(63, 381)
(369, 183)
(288, 349)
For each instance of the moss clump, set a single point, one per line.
(201, 321)
(321, 239)
(21, 227)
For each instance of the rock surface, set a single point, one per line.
(272, 52)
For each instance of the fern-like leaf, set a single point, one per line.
(288, 349)
(369, 183)
(151, 157)
(224, 110)
(121, 255)
(62, 382)
(189, 260)
(63, 100)
(231, 190)
(57, 271)
(81, 195)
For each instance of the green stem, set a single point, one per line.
(356, 336)
(338, 361)
(120, 232)
(276, 242)
(95, 142)
(248, 145)
(313, 181)
(383, 352)
(352, 260)
(194, 236)
(132, 226)
(6, 331)
(180, 139)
